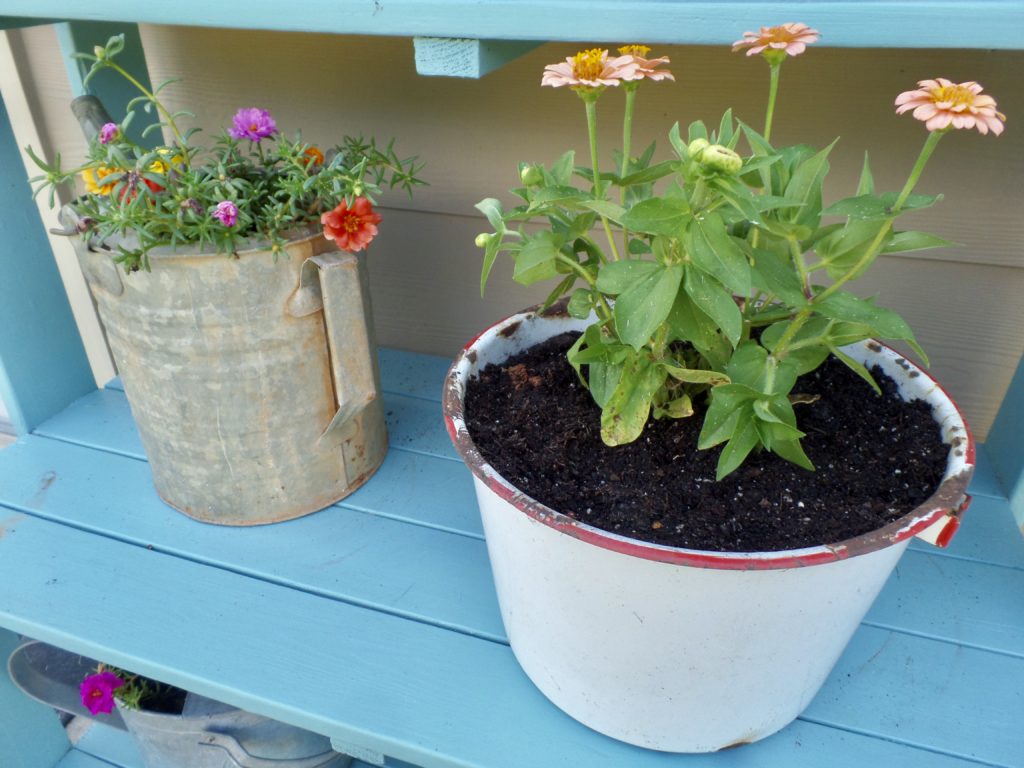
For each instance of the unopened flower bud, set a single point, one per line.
(718, 158)
(482, 239)
(697, 146)
(98, 51)
(531, 175)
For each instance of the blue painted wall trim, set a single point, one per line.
(43, 367)
(878, 24)
(1005, 444)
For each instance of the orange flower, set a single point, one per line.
(646, 69)
(590, 69)
(941, 103)
(93, 176)
(351, 228)
(314, 156)
(790, 38)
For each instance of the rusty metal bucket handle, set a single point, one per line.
(338, 284)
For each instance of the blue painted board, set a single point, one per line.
(890, 23)
(30, 733)
(43, 366)
(434, 697)
(1006, 444)
(409, 373)
(465, 57)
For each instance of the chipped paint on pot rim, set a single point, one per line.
(935, 520)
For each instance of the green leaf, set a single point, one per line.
(726, 132)
(883, 322)
(627, 410)
(774, 274)
(874, 207)
(856, 367)
(716, 253)
(805, 186)
(903, 242)
(677, 142)
(581, 303)
(605, 208)
(535, 261)
(647, 175)
(715, 302)
(742, 442)
(695, 375)
(793, 452)
(680, 408)
(866, 185)
(562, 170)
(687, 323)
(738, 196)
(559, 290)
(752, 366)
(617, 276)
(568, 197)
(726, 403)
(604, 378)
(491, 208)
(657, 216)
(643, 307)
(490, 255)
(697, 130)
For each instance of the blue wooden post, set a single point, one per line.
(1005, 444)
(30, 733)
(43, 366)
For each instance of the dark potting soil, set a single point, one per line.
(877, 458)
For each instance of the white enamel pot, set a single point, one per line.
(675, 649)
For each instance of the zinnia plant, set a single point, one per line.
(701, 272)
(254, 183)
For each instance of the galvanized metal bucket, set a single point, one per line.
(253, 380)
(207, 734)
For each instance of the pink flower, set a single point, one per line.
(253, 124)
(97, 692)
(792, 38)
(590, 69)
(108, 133)
(351, 228)
(226, 213)
(941, 103)
(646, 69)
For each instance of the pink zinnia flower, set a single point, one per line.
(590, 69)
(108, 133)
(97, 692)
(226, 213)
(941, 103)
(351, 228)
(792, 38)
(253, 124)
(646, 69)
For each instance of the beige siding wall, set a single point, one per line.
(964, 302)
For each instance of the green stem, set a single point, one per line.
(590, 101)
(922, 159)
(179, 139)
(627, 142)
(773, 90)
(801, 265)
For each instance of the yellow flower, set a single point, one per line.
(166, 161)
(93, 176)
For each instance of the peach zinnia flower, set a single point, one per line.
(792, 38)
(351, 228)
(646, 68)
(590, 69)
(941, 103)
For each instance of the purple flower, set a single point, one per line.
(108, 133)
(253, 124)
(226, 213)
(97, 692)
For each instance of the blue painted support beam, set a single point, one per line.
(466, 57)
(43, 367)
(14, 22)
(111, 89)
(1005, 444)
(30, 732)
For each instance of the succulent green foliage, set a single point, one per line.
(698, 273)
(166, 196)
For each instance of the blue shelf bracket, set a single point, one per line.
(1005, 445)
(466, 57)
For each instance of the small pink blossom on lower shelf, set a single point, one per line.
(792, 38)
(97, 692)
(226, 213)
(108, 133)
(646, 69)
(942, 104)
(590, 69)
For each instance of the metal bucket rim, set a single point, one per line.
(950, 495)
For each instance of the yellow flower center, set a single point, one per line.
(776, 35)
(589, 64)
(635, 50)
(957, 95)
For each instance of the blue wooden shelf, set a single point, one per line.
(868, 23)
(375, 621)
